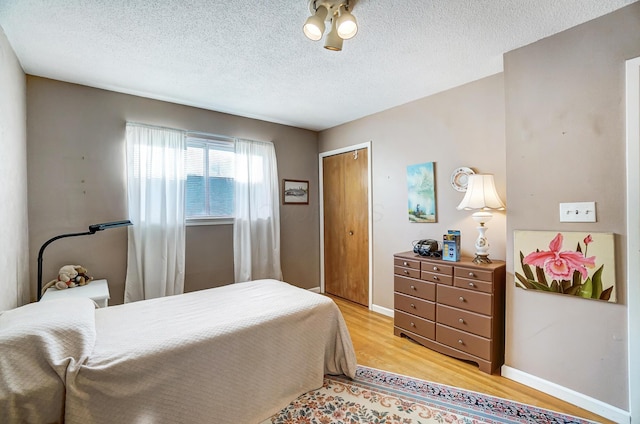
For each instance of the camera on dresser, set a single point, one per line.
(455, 308)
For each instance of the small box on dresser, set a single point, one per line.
(455, 308)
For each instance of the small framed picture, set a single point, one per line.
(295, 192)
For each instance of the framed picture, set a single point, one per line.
(580, 264)
(295, 192)
(422, 193)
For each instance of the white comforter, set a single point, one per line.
(42, 345)
(235, 354)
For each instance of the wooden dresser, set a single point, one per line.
(455, 308)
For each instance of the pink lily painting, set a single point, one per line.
(546, 264)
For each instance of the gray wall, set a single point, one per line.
(566, 142)
(460, 127)
(76, 157)
(14, 254)
(551, 129)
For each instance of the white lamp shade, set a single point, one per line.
(332, 41)
(314, 26)
(347, 25)
(481, 194)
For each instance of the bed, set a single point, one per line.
(233, 354)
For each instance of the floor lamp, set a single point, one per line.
(92, 230)
(481, 195)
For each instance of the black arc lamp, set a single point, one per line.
(92, 230)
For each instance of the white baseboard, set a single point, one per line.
(568, 395)
(375, 308)
(382, 310)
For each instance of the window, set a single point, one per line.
(210, 164)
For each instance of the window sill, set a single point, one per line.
(194, 222)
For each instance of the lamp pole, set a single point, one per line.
(47, 243)
(92, 229)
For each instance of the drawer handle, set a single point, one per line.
(413, 287)
(461, 299)
(460, 320)
(471, 285)
(413, 325)
(435, 277)
(413, 306)
(405, 264)
(435, 268)
(471, 274)
(406, 271)
(460, 341)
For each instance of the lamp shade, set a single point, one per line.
(332, 41)
(314, 26)
(481, 194)
(347, 25)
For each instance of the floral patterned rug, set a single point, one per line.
(379, 397)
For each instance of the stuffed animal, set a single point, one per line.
(69, 276)
(66, 277)
(83, 277)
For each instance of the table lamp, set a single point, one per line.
(481, 195)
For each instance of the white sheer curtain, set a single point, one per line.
(256, 230)
(155, 189)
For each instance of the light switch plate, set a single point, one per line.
(578, 212)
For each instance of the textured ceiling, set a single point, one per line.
(250, 58)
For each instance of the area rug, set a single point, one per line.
(379, 397)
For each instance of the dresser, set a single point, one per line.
(455, 308)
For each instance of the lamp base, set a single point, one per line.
(482, 244)
(482, 259)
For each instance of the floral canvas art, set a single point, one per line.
(422, 192)
(572, 263)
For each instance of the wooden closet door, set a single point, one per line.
(346, 226)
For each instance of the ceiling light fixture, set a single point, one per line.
(337, 13)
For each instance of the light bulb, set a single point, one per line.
(314, 26)
(346, 25)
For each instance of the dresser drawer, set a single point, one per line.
(407, 263)
(473, 279)
(481, 286)
(474, 274)
(415, 306)
(464, 299)
(466, 342)
(417, 288)
(437, 267)
(407, 272)
(437, 278)
(420, 326)
(464, 320)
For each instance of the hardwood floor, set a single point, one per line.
(377, 347)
